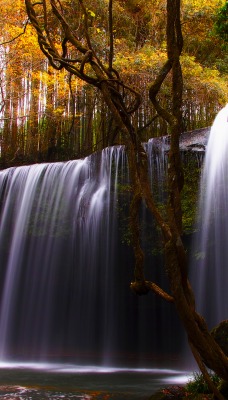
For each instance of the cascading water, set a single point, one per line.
(56, 239)
(210, 253)
(65, 274)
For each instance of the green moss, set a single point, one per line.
(192, 171)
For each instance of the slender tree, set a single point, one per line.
(123, 101)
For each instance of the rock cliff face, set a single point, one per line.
(220, 334)
(191, 141)
(195, 140)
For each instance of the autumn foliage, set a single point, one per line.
(46, 114)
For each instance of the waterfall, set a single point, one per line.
(65, 271)
(209, 271)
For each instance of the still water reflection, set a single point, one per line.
(52, 381)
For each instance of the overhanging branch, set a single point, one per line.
(145, 287)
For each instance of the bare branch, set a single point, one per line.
(160, 292)
(143, 287)
(16, 37)
(148, 123)
(3, 98)
(85, 13)
(86, 59)
(154, 89)
(111, 44)
(68, 34)
(47, 47)
(46, 26)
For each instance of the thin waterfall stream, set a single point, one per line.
(209, 272)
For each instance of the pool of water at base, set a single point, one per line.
(53, 381)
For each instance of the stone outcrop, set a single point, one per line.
(220, 334)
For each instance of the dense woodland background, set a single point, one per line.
(49, 115)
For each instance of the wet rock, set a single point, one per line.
(191, 141)
(220, 334)
(194, 140)
(170, 393)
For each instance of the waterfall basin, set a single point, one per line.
(67, 381)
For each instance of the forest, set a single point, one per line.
(51, 115)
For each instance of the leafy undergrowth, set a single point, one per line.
(195, 389)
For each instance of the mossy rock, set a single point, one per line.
(157, 396)
(172, 392)
(187, 396)
(223, 388)
(220, 334)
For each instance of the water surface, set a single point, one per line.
(59, 381)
